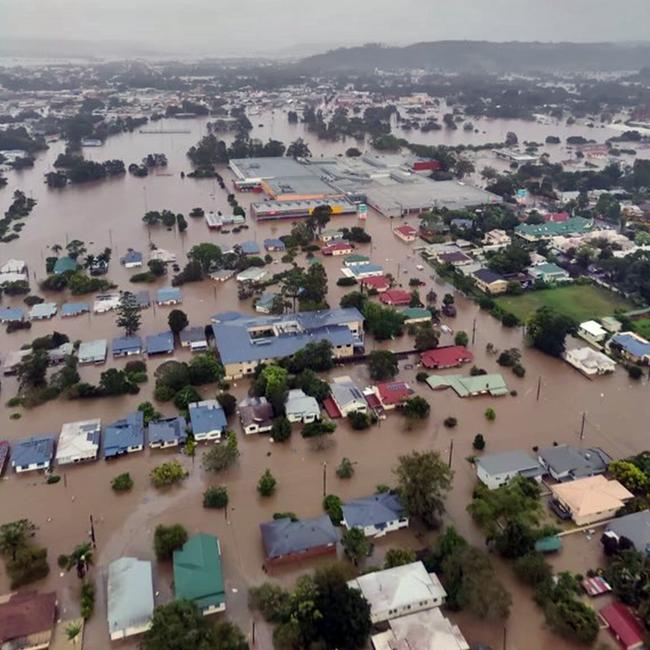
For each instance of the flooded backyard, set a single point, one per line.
(110, 213)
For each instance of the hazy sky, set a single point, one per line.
(240, 27)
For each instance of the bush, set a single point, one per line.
(267, 484)
(490, 414)
(281, 429)
(135, 366)
(450, 422)
(316, 429)
(519, 370)
(479, 442)
(168, 539)
(635, 372)
(52, 479)
(345, 469)
(215, 497)
(508, 319)
(122, 482)
(422, 377)
(272, 601)
(332, 505)
(87, 600)
(29, 565)
(358, 420)
(168, 473)
(346, 282)
(185, 397)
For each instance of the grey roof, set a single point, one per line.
(124, 433)
(160, 343)
(124, 344)
(577, 462)
(167, 430)
(635, 527)
(192, 334)
(143, 299)
(92, 350)
(346, 392)
(74, 308)
(510, 461)
(255, 410)
(300, 403)
(131, 257)
(168, 294)
(129, 594)
(266, 167)
(43, 310)
(486, 275)
(33, 450)
(249, 247)
(375, 510)
(207, 416)
(284, 536)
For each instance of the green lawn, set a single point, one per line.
(642, 327)
(580, 302)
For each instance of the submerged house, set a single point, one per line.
(300, 407)
(78, 442)
(375, 515)
(33, 453)
(168, 432)
(208, 420)
(27, 619)
(124, 436)
(256, 415)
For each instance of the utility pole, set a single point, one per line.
(451, 452)
(505, 637)
(539, 387)
(324, 479)
(93, 539)
(582, 425)
(474, 331)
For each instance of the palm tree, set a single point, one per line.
(73, 630)
(81, 558)
(56, 249)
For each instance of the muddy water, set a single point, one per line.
(109, 214)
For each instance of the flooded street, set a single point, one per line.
(109, 213)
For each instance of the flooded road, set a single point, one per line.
(109, 214)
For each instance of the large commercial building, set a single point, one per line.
(244, 342)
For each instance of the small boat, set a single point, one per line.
(4, 454)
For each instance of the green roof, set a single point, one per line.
(548, 268)
(198, 575)
(548, 544)
(64, 264)
(416, 312)
(355, 259)
(574, 225)
(494, 384)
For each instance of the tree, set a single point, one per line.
(448, 299)
(275, 379)
(382, 364)
(426, 338)
(81, 558)
(628, 573)
(168, 473)
(32, 370)
(205, 369)
(186, 396)
(298, 149)
(345, 469)
(398, 557)
(547, 329)
(228, 403)
(355, 544)
(222, 456)
(177, 320)
(423, 482)
(314, 286)
(461, 338)
(167, 539)
(312, 384)
(515, 540)
(271, 600)
(122, 482)
(208, 255)
(15, 536)
(416, 408)
(128, 314)
(354, 299)
(267, 484)
(227, 636)
(281, 429)
(479, 442)
(72, 631)
(511, 139)
(215, 497)
(149, 413)
(490, 414)
(382, 322)
(631, 476)
(321, 215)
(333, 506)
(181, 223)
(116, 382)
(359, 420)
(318, 429)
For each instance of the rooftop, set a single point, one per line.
(510, 461)
(284, 536)
(207, 416)
(563, 459)
(33, 450)
(124, 434)
(591, 495)
(493, 384)
(25, 614)
(373, 510)
(129, 594)
(167, 431)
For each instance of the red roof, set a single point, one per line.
(25, 614)
(331, 408)
(407, 230)
(373, 401)
(557, 217)
(395, 297)
(378, 282)
(394, 392)
(446, 357)
(623, 625)
(336, 246)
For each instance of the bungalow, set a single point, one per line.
(567, 463)
(27, 619)
(71, 309)
(589, 500)
(450, 356)
(106, 302)
(167, 432)
(208, 420)
(375, 515)
(346, 397)
(495, 470)
(549, 272)
(162, 343)
(222, 275)
(406, 233)
(274, 246)
(338, 248)
(471, 386)
(194, 338)
(300, 407)
(623, 625)
(43, 311)
(490, 282)
(256, 415)
(363, 271)
(252, 274)
(132, 259)
(395, 297)
(631, 346)
(392, 393)
(169, 296)
(64, 265)
(78, 442)
(330, 234)
(11, 314)
(286, 540)
(126, 346)
(592, 332)
(589, 361)
(32, 453)
(414, 315)
(249, 248)
(264, 304)
(401, 590)
(635, 528)
(379, 283)
(198, 575)
(129, 595)
(124, 436)
(92, 351)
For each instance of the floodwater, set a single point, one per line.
(109, 214)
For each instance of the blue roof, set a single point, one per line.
(64, 264)
(249, 248)
(235, 344)
(374, 510)
(274, 244)
(225, 316)
(360, 269)
(74, 308)
(124, 433)
(31, 451)
(631, 344)
(11, 313)
(165, 294)
(131, 257)
(266, 299)
(206, 418)
(123, 344)
(158, 343)
(167, 430)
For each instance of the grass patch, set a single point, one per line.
(579, 301)
(642, 327)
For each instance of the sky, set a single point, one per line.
(252, 27)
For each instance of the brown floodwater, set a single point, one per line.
(109, 214)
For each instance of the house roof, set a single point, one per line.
(510, 461)
(547, 268)
(406, 230)
(64, 264)
(78, 439)
(344, 391)
(251, 274)
(43, 310)
(131, 257)
(33, 450)
(395, 297)
(255, 410)
(394, 392)
(398, 587)
(374, 510)
(365, 268)
(122, 344)
(162, 342)
(169, 294)
(450, 355)
(574, 225)
(487, 275)
(453, 256)
(274, 244)
(167, 430)
(193, 334)
(143, 298)
(124, 433)
(284, 536)
(129, 594)
(493, 384)
(11, 313)
(249, 248)
(635, 527)
(355, 258)
(591, 495)
(415, 313)
(377, 282)
(298, 402)
(623, 624)
(74, 308)
(93, 350)
(632, 343)
(563, 459)
(198, 574)
(24, 614)
(207, 416)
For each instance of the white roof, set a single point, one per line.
(590, 358)
(13, 266)
(251, 274)
(398, 587)
(78, 440)
(162, 255)
(593, 328)
(130, 594)
(299, 403)
(93, 350)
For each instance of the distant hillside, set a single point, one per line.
(464, 56)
